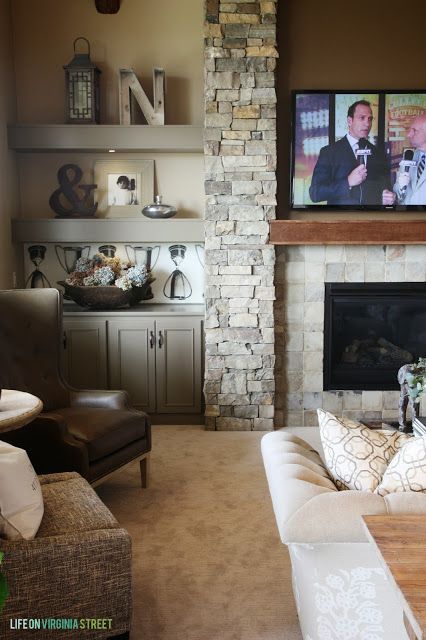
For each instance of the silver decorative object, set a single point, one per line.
(159, 210)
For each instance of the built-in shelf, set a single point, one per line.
(142, 308)
(108, 230)
(348, 232)
(103, 137)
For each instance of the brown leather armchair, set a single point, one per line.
(91, 432)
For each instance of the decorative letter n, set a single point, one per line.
(154, 115)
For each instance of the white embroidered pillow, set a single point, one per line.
(21, 499)
(407, 470)
(355, 455)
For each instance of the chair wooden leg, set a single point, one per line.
(144, 466)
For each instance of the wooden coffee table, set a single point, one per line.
(401, 545)
(17, 409)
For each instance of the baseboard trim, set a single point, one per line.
(177, 418)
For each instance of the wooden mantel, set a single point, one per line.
(347, 232)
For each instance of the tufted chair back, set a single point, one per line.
(30, 343)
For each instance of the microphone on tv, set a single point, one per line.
(407, 160)
(404, 166)
(363, 151)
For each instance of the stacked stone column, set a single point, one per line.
(240, 187)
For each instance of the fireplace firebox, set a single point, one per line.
(370, 330)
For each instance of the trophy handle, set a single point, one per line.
(155, 253)
(199, 250)
(58, 246)
(131, 248)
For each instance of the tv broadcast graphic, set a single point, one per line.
(359, 150)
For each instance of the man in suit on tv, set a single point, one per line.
(352, 171)
(410, 186)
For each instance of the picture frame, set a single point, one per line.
(124, 187)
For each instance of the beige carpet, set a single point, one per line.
(207, 560)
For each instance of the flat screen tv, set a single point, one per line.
(358, 150)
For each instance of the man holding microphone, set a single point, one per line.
(410, 185)
(352, 171)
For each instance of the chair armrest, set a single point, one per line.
(51, 478)
(69, 540)
(54, 577)
(100, 399)
(50, 446)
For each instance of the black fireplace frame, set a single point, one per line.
(342, 291)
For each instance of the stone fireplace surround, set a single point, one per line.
(301, 272)
(264, 304)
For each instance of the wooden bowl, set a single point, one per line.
(110, 297)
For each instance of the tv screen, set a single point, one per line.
(358, 150)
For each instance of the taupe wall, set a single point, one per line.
(335, 45)
(8, 180)
(144, 34)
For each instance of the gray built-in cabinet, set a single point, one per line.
(153, 351)
(155, 354)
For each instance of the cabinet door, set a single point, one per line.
(178, 358)
(131, 357)
(85, 353)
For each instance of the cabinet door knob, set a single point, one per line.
(160, 339)
(151, 339)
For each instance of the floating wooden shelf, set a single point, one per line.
(103, 137)
(108, 230)
(347, 232)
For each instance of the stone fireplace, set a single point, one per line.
(265, 304)
(240, 163)
(301, 274)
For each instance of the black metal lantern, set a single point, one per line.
(82, 88)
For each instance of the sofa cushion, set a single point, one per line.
(357, 456)
(21, 499)
(72, 506)
(104, 431)
(407, 470)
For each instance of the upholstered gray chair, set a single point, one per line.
(91, 432)
(77, 567)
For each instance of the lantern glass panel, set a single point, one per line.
(80, 95)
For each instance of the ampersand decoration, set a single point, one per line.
(80, 206)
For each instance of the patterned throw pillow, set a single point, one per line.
(407, 470)
(357, 456)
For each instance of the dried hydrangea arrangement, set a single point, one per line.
(102, 271)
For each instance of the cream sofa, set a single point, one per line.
(341, 590)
